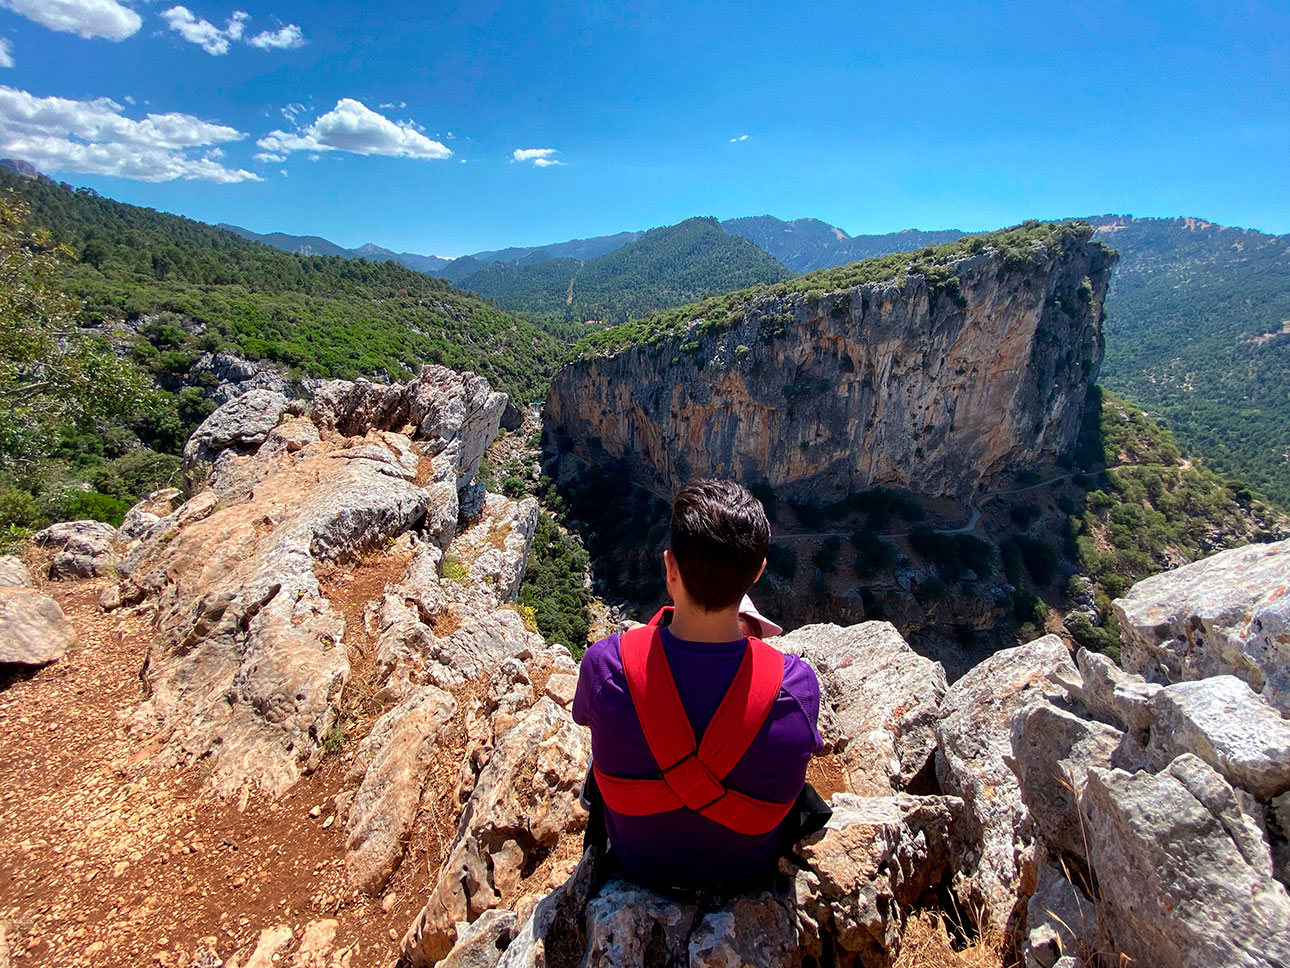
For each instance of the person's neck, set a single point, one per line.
(692, 624)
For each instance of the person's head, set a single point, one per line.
(720, 536)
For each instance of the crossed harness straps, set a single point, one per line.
(694, 774)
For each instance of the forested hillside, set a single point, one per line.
(664, 267)
(1198, 332)
(806, 244)
(326, 316)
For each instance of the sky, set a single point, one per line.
(445, 128)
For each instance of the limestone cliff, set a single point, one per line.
(959, 364)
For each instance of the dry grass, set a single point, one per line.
(926, 944)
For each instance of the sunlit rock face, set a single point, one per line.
(902, 383)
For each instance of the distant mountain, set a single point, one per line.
(807, 244)
(575, 249)
(1198, 332)
(316, 245)
(663, 267)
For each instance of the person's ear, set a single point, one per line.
(670, 567)
(760, 571)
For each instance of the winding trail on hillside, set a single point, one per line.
(973, 520)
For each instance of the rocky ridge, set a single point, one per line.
(929, 385)
(1066, 804)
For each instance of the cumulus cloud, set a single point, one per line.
(6, 52)
(541, 157)
(85, 18)
(218, 40)
(95, 138)
(354, 127)
(214, 40)
(284, 38)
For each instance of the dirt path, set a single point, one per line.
(102, 863)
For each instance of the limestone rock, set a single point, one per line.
(1278, 824)
(561, 688)
(392, 764)
(752, 929)
(884, 698)
(1112, 694)
(480, 945)
(1224, 723)
(1228, 614)
(876, 857)
(630, 926)
(315, 943)
(13, 573)
(978, 392)
(1060, 920)
(1052, 752)
(248, 659)
(496, 549)
(1183, 881)
(84, 548)
(271, 941)
(242, 423)
(524, 800)
(974, 736)
(33, 629)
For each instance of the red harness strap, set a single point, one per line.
(690, 774)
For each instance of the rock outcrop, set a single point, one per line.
(249, 661)
(930, 386)
(880, 701)
(1227, 614)
(82, 549)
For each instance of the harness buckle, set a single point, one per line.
(693, 783)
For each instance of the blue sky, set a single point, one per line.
(400, 123)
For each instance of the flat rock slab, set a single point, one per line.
(1228, 614)
(33, 629)
(1223, 722)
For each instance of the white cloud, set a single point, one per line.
(354, 127)
(85, 18)
(214, 40)
(284, 38)
(6, 52)
(390, 105)
(93, 137)
(267, 156)
(541, 157)
(128, 99)
(742, 137)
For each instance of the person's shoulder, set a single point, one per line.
(798, 675)
(604, 655)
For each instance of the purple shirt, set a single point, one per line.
(680, 848)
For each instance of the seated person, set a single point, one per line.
(700, 736)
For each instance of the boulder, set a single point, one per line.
(995, 870)
(1061, 920)
(883, 697)
(391, 766)
(1052, 752)
(1111, 694)
(1278, 830)
(1228, 614)
(524, 800)
(874, 860)
(83, 548)
(33, 629)
(243, 423)
(13, 573)
(1222, 721)
(480, 945)
(628, 925)
(752, 929)
(1184, 876)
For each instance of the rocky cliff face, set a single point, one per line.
(930, 385)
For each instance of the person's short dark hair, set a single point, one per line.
(720, 536)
